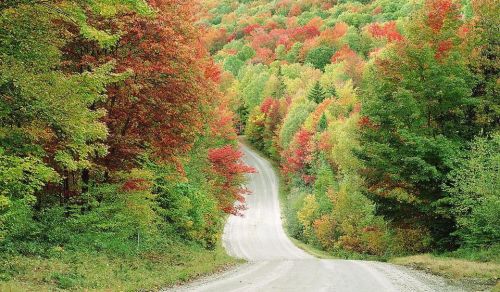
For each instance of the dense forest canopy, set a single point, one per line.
(112, 128)
(377, 111)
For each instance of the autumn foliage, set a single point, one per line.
(132, 141)
(364, 105)
(228, 169)
(387, 30)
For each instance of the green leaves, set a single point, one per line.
(233, 64)
(22, 177)
(76, 13)
(415, 98)
(58, 105)
(474, 193)
(319, 57)
(317, 94)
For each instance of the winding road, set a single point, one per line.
(276, 264)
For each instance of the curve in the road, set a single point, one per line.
(276, 264)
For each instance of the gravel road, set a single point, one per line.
(276, 264)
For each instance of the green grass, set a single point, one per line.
(98, 272)
(454, 268)
(321, 254)
(480, 266)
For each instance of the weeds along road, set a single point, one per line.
(276, 264)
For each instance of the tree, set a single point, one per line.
(474, 194)
(228, 171)
(160, 108)
(44, 105)
(413, 109)
(388, 31)
(316, 94)
(485, 114)
(281, 86)
(319, 56)
(293, 54)
(294, 119)
(323, 123)
(233, 64)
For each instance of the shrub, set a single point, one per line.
(410, 240)
(307, 214)
(375, 240)
(325, 229)
(295, 201)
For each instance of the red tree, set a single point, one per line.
(229, 170)
(387, 30)
(160, 105)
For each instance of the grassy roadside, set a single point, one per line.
(457, 269)
(91, 272)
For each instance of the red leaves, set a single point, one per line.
(295, 10)
(227, 161)
(388, 31)
(345, 53)
(160, 105)
(316, 22)
(442, 48)
(250, 28)
(438, 11)
(229, 170)
(377, 10)
(266, 105)
(264, 55)
(332, 35)
(261, 39)
(222, 123)
(265, 39)
(300, 34)
(299, 152)
(365, 122)
(136, 184)
(212, 72)
(463, 31)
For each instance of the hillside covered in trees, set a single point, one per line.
(118, 156)
(383, 117)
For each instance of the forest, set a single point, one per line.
(115, 145)
(383, 117)
(119, 124)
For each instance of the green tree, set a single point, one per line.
(293, 54)
(485, 114)
(233, 64)
(324, 182)
(413, 103)
(294, 120)
(246, 53)
(474, 193)
(280, 52)
(319, 57)
(323, 123)
(46, 112)
(252, 83)
(317, 93)
(281, 86)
